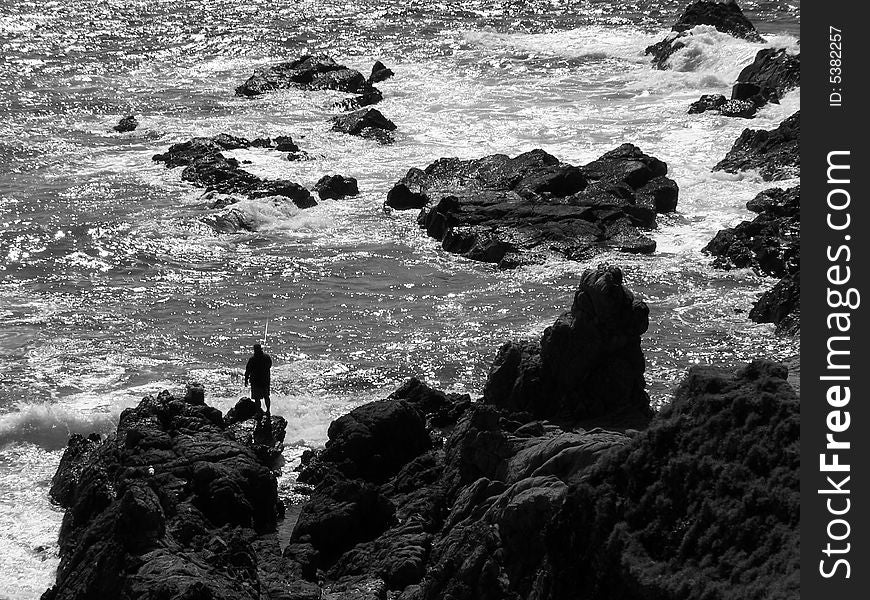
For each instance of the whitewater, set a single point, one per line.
(112, 287)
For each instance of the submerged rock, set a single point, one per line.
(128, 123)
(174, 505)
(336, 186)
(775, 154)
(512, 211)
(726, 17)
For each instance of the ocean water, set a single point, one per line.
(111, 286)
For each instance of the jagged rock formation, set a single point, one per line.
(176, 504)
(775, 154)
(336, 186)
(312, 72)
(769, 244)
(128, 123)
(726, 17)
(512, 211)
(367, 123)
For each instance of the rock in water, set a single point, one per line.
(726, 17)
(707, 494)
(512, 211)
(588, 364)
(368, 123)
(128, 123)
(336, 186)
(172, 506)
(769, 244)
(312, 72)
(380, 72)
(774, 154)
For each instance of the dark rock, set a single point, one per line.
(380, 72)
(726, 17)
(307, 72)
(128, 123)
(588, 363)
(172, 506)
(707, 102)
(781, 305)
(206, 166)
(367, 123)
(336, 186)
(774, 154)
(773, 73)
(516, 210)
(708, 493)
(285, 143)
(770, 243)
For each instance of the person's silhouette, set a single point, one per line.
(258, 373)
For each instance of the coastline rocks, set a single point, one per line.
(366, 123)
(336, 186)
(170, 506)
(372, 96)
(773, 73)
(726, 17)
(703, 504)
(315, 72)
(206, 166)
(588, 364)
(512, 211)
(380, 72)
(769, 244)
(775, 154)
(128, 123)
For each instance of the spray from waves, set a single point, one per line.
(50, 425)
(708, 50)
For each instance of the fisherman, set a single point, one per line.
(257, 372)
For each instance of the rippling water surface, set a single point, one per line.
(111, 287)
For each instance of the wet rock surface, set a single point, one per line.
(775, 154)
(336, 186)
(726, 17)
(367, 123)
(311, 72)
(513, 211)
(128, 123)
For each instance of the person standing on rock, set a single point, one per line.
(258, 373)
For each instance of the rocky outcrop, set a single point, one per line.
(726, 17)
(513, 211)
(206, 166)
(128, 123)
(703, 504)
(336, 186)
(771, 75)
(775, 154)
(367, 123)
(177, 504)
(770, 245)
(311, 72)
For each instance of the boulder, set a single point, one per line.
(774, 154)
(368, 123)
(336, 186)
(781, 305)
(128, 123)
(512, 211)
